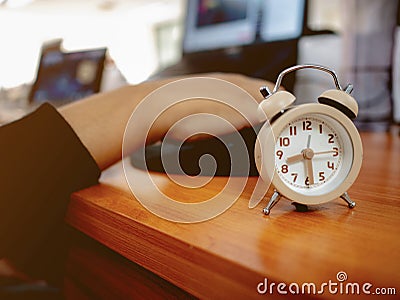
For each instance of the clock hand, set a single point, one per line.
(308, 155)
(294, 158)
(325, 152)
(305, 154)
(310, 171)
(309, 141)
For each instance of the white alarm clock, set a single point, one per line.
(311, 153)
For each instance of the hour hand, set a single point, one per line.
(295, 158)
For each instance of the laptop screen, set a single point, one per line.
(64, 77)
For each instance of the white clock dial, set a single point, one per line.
(313, 154)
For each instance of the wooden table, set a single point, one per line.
(228, 256)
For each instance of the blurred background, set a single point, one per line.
(60, 50)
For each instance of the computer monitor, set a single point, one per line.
(213, 24)
(216, 24)
(281, 19)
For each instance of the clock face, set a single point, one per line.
(313, 154)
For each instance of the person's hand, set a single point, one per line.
(189, 117)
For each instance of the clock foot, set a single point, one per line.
(346, 197)
(300, 207)
(274, 199)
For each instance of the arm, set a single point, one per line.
(100, 120)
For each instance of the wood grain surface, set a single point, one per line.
(228, 256)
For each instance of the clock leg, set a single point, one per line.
(349, 202)
(274, 199)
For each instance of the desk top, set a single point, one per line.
(229, 256)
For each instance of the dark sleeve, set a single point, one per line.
(42, 163)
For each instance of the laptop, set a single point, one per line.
(63, 77)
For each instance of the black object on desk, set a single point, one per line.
(225, 149)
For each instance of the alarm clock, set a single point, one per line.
(311, 153)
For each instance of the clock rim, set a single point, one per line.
(264, 164)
